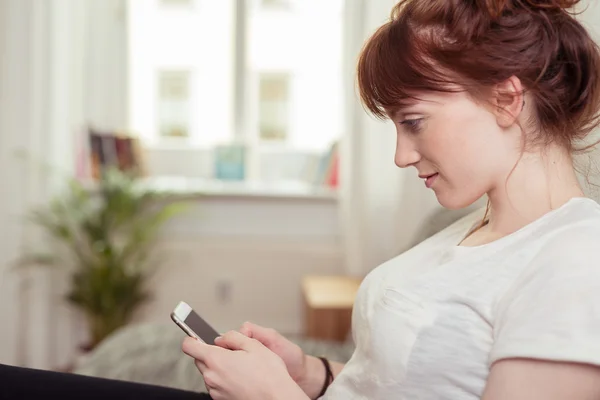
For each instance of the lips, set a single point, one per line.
(429, 179)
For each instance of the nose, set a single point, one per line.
(406, 152)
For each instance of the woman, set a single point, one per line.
(489, 97)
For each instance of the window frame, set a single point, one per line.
(245, 126)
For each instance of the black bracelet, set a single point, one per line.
(328, 376)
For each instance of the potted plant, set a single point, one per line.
(107, 237)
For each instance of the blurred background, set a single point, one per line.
(210, 151)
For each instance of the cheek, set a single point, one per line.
(472, 155)
(469, 164)
(452, 153)
(470, 146)
(464, 179)
(473, 165)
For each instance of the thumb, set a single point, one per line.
(234, 340)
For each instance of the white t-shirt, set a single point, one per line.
(428, 324)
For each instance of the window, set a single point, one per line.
(185, 3)
(264, 74)
(192, 48)
(274, 97)
(275, 3)
(174, 104)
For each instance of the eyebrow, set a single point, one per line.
(396, 111)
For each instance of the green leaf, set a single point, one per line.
(108, 238)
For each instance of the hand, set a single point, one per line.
(241, 368)
(291, 354)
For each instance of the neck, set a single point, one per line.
(540, 183)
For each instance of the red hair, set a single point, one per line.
(437, 45)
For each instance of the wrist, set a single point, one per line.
(291, 392)
(313, 378)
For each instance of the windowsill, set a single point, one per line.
(184, 186)
(183, 144)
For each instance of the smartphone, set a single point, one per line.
(192, 324)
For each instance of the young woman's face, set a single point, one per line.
(456, 145)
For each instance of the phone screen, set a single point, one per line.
(201, 328)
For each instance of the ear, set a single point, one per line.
(509, 101)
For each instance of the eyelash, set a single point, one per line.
(413, 125)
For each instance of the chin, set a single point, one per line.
(453, 201)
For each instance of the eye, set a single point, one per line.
(413, 125)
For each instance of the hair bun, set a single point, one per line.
(497, 7)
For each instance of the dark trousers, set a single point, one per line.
(25, 383)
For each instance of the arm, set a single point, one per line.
(528, 379)
(314, 379)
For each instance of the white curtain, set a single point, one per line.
(384, 209)
(106, 83)
(61, 68)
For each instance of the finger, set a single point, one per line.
(219, 342)
(211, 381)
(247, 329)
(211, 390)
(201, 366)
(196, 349)
(260, 333)
(235, 340)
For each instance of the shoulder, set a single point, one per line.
(573, 236)
(551, 310)
(563, 257)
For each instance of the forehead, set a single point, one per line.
(430, 100)
(420, 100)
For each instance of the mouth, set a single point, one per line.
(429, 179)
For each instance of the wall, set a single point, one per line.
(239, 279)
(238, 259)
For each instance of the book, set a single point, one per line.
(332, 179)
(327, 171)
(230, 162)
(113, 150)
